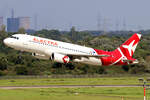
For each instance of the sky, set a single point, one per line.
(83, 14)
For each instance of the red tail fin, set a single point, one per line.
(129, 46)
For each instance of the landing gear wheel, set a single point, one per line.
(70, 66)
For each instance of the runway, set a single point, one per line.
(66, 86)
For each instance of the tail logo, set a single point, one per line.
(130, 47)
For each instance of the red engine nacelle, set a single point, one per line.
(60, 58)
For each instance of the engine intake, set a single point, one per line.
(60, 58)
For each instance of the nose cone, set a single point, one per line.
(7, 41)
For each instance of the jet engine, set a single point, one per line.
(60, 58)
(40, 56)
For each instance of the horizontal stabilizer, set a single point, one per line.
(131, 60)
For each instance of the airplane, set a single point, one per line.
(65, 53)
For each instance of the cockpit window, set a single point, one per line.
(14, 37)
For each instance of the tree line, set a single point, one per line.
(13, 62)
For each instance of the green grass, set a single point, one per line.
(71, 81)
(135, 93)
(90, 93)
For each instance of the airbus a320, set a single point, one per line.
(62, 52)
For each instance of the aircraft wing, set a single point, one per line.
(74, 56)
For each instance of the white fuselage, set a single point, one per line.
(45, 47)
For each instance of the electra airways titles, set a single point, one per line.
(62, 52)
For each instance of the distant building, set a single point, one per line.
(1, 22)
(24, 22)
(12, 24)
